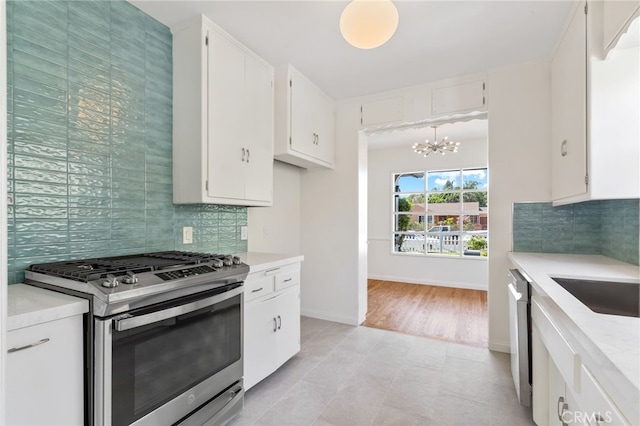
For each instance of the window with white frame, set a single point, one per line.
(442, 212)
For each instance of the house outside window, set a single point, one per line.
(441, 212)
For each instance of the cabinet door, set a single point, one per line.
(45, 382)
(382, 111)
(258, 131)
(569, 109)
(325, 143)
(288, 317)
(303, 104)
(557, 399)
(260, 327)
(458, 98)
(225, 100)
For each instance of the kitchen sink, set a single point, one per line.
(605, 297)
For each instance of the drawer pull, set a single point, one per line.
(287, 280)
(256, 290)
(271, 271)
(45, 340)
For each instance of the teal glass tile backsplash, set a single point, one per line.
(608, 227)
(89, 138)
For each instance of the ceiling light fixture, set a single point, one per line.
(367, 24)
(441, 147)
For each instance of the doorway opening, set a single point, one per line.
(428, 239)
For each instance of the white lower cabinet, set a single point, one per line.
(561, 397)
(565, 392)
(271, 321)
(44, 374)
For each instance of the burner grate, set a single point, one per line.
(93, 269)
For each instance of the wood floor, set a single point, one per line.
(451, 314)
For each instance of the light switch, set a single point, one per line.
(244, 232)
(187, 235)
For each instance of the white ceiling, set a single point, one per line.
(435, 39)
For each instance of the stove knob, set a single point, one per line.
(227, 260)
(217, 263)
(110, 281)
(236, 260)
(130, 278)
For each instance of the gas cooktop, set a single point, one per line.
(86, 270)
(122, 282)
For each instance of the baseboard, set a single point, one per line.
(329, 316)
(500, 347)
(435, 283)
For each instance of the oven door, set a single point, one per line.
(158, 365)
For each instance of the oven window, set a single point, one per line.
(153, 364)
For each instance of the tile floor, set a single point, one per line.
(348, 375)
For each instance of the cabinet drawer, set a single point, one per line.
(596, 403)
(287, 279)
(564, 356)
(257, 286)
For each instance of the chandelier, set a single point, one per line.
(436, 146)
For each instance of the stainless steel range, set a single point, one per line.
(164, 335)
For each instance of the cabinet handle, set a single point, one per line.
(560, 402)
(256, 290)
(287, 280)
(271, 271)
(243, 152)
(562, 407)
(248, 155)
(20, 348)
(563, 148)
(275, 325)
(317, 139)
(279, 322)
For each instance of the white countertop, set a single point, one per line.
(261, 261)
(28, 305)
(611, 343)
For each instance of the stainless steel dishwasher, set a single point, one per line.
(520, 333)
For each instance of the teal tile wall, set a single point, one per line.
(608, 227)
(89, 138)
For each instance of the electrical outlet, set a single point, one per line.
(187, 235)
(244, 232)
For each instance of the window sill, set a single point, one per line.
(442, 256)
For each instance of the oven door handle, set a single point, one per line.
(127, 323)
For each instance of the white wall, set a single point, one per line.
(333, 237)
(446, 271)
(519, 170)
(276, 229)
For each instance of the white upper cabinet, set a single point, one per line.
(595, 137)
(459, 98)
(305, 122)
(382, 111)
(568, 109)
(222, 119)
